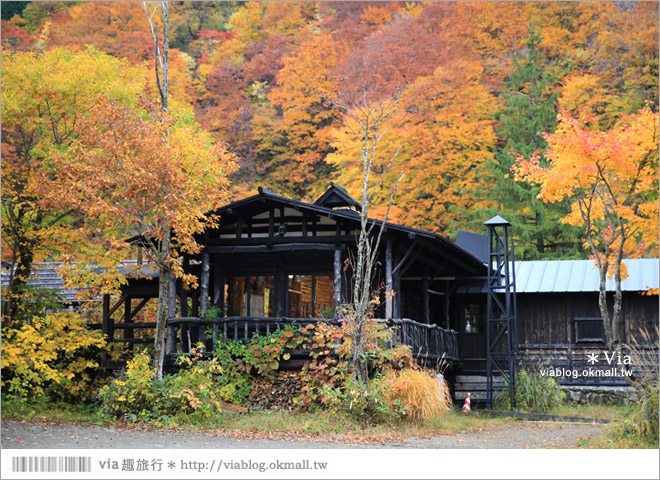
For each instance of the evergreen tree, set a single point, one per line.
(529, 111)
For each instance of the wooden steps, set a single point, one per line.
(475, 385)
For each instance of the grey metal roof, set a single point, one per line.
(546, 276)
(46, 275)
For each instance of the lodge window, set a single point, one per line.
(252, 296)
(589, 330)
(310, 296)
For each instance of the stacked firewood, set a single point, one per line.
(276, 393)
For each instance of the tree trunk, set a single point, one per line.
(166, 57)
(602, 303)
(161, 320)
(163, 306)
(19, 275)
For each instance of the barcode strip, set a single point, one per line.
(51, 464)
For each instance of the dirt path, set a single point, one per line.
(19, 434)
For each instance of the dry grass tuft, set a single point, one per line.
(425, 395)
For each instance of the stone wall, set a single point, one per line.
(599, 394)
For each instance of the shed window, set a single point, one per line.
(589, 330)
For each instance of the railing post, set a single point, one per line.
(388, 280)
(337, 281)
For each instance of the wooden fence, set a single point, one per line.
(429, 342)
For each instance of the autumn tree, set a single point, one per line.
(611, 179)
(161, 249)
(293, 145)
(150, 173)
(44, 96)
(366, 112)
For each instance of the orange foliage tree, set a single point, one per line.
(611, 178)
(142, 173)
(299, 130)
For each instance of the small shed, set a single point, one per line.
(558, 317)
(559, 321)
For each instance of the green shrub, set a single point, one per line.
(534, 393)
(371, 403)
(196, 391)
(234, 384)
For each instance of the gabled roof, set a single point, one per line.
(256, 204)
(47, 275)
(337, 196)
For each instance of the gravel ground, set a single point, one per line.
(22, 434)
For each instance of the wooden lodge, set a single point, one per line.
(275, 261)
(559, 323)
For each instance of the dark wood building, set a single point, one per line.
(275, 261)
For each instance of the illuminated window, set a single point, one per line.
(310, 296)
(252, 296)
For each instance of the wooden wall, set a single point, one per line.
(547, 318)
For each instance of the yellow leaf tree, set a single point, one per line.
(44, 96)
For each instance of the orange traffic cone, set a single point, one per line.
(466, 405)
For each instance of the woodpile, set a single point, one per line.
(276, 393)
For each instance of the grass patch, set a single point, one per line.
(614, 413)
(314, 423)
(338, 425)
(16, 408)
(320, 423)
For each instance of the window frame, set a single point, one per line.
(588, 320)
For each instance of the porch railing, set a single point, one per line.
(426, 341)
(430, 341)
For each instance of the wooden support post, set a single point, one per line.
(184, 293)
(271, 223)
(396, 298)
(388, 279)
(195, 303)
(128, 332)
(170, 346)
(282, 289)
(204, 294)
(426, 311)
(218, 286)
(108, 327)
(446, 304)
(337, 281)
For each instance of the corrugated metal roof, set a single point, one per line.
(556, 276)
(545, 276)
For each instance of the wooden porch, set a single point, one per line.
(429, 343)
